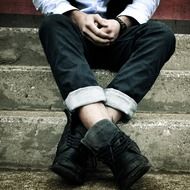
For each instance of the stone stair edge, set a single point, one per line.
(21, 49)
(33, 88)
(35, 29)
(25, 68)
(180, 120)
(145, 119)
(61, 113)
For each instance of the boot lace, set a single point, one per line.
(117, 146)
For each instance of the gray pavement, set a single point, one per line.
(25, 180)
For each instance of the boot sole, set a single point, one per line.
(68, 174)
(135, 175)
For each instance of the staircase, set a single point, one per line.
(32, 120)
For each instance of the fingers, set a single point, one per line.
(98, 43)
(96, 39)
(99, 30)
(95, 28)
(101, 21)
(96, 31)
(112, 29)
(94, 23)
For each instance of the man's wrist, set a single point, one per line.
(122, 24)
(129, 21)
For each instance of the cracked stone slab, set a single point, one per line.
(33, 88)
(21, 46)
(29, 139)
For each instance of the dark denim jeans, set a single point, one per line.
(137, 57)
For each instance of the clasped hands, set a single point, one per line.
(99, 30)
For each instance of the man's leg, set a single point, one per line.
(141, 52)
(114, 114)
(96, 95)
(66, 52)
(65, 49)
(139, 55)
(92, 113)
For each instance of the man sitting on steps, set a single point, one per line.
(117, 35)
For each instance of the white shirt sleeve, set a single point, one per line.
(53, 6)
(141, 10)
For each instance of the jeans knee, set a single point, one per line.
(47, 23)
(51, 22)
(166, 35)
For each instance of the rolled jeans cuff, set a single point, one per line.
(84, 96)
(120, 101)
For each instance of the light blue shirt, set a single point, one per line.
(93, 6)
(141, 10)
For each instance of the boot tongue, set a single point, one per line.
(100, 135)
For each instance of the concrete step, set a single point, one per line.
(38, 180)
(29, 139)
(33, 88)
(21, 46)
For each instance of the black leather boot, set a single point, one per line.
(71, 157)
(122, 155)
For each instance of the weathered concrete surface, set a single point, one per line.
(24, 180)
(170, 93)
(164, 139)
(21, 46)
(28, 139)
(33, 88)
(28, 88)
(180, 59)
